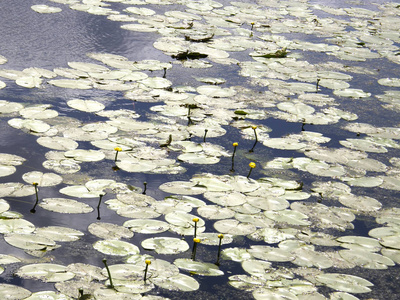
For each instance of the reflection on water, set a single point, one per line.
(30, 39)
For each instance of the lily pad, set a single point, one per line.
(42, 179)
(147, 226)
(65, 206)
(178, 282)
(345, 283)
(86, 105)
(165, 245)
(109, 231)
(116, 247)
(30, 241)
(45, 272)
(13, 292)
(198, 268)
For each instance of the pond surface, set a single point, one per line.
(130, 111)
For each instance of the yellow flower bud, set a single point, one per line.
(252, 165)
(195, 220)
(235, 144)
(221, 236)
(35, 183)
(118, 149)
(254, 127)
(148, 262)
(196, 240)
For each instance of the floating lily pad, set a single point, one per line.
(57, 143)
(284, 143)
(234, 227)
(226, 199)
(48, 295)
(80, 191)
(16, 226)
(215, 212)
(271, 253)
(66, 206)
(42, 179)
(198, 268)
(178, 282)
(363, 203)
(13, 292)
(345, 283)
(33, 125)
(62, 166)
(165, 245)
(116, 247)
(45, 9)
(182, 188)
(324, 169)
(86, 105)
(81, 84)
(7, 170)
(59, 233)
(366, 259)
(45, 272)
(147, 226)
(109, 231)
(289, 217)
(30, 241)
(85, 155)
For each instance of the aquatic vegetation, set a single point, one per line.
(311, 85)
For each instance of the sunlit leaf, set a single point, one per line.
(45, 272)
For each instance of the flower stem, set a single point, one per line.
(220, 236)
(109, 273)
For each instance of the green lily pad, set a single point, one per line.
(45, 272)
(234, 227)
(7, 170)
(273, 294)
(366, 259)
(86, 105)
(13, 292)
(57, 143)
(198, 268)
(86, 271)
(30, 241)
(65, 206)
(165, 245)
(284, 144)
(345, 283)
(289, 217)
(8, 107)
(8, 259)
(42, 179)
(81, 84)
(116, 247)
(109, 231)
(45, 9)
(182, 188)
(59, 233)
(215, 212)
(362, 203)
(32, 125)
(62, 166)
(226, 198)
(16, 226)
(85, 155)
(48, 295)
(178, 282)
(147, 226)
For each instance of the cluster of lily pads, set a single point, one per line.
(296, 231)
